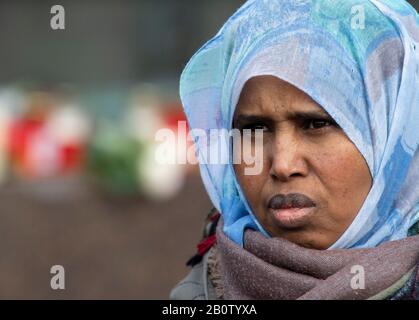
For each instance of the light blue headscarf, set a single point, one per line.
(363, 72)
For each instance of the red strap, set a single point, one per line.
(206, 244)
(215, 216)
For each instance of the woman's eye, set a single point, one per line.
(317, 123)
(253, 127)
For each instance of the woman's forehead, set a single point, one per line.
(269, 94)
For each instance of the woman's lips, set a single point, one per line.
(291, 210)
(292, 217)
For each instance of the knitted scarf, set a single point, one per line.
(274, 268)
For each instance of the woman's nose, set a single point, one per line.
(287, 160)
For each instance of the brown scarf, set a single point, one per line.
(274, 268)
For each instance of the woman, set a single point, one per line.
(326, 94)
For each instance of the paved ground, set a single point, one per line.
(110, 248)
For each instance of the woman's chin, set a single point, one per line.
(304, 237)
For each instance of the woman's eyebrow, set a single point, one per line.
(291, 115)
(248, 118)
(295, 115)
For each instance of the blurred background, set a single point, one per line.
(79, 109)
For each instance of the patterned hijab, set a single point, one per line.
(358, 59)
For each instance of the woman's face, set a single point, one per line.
(313, 180)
